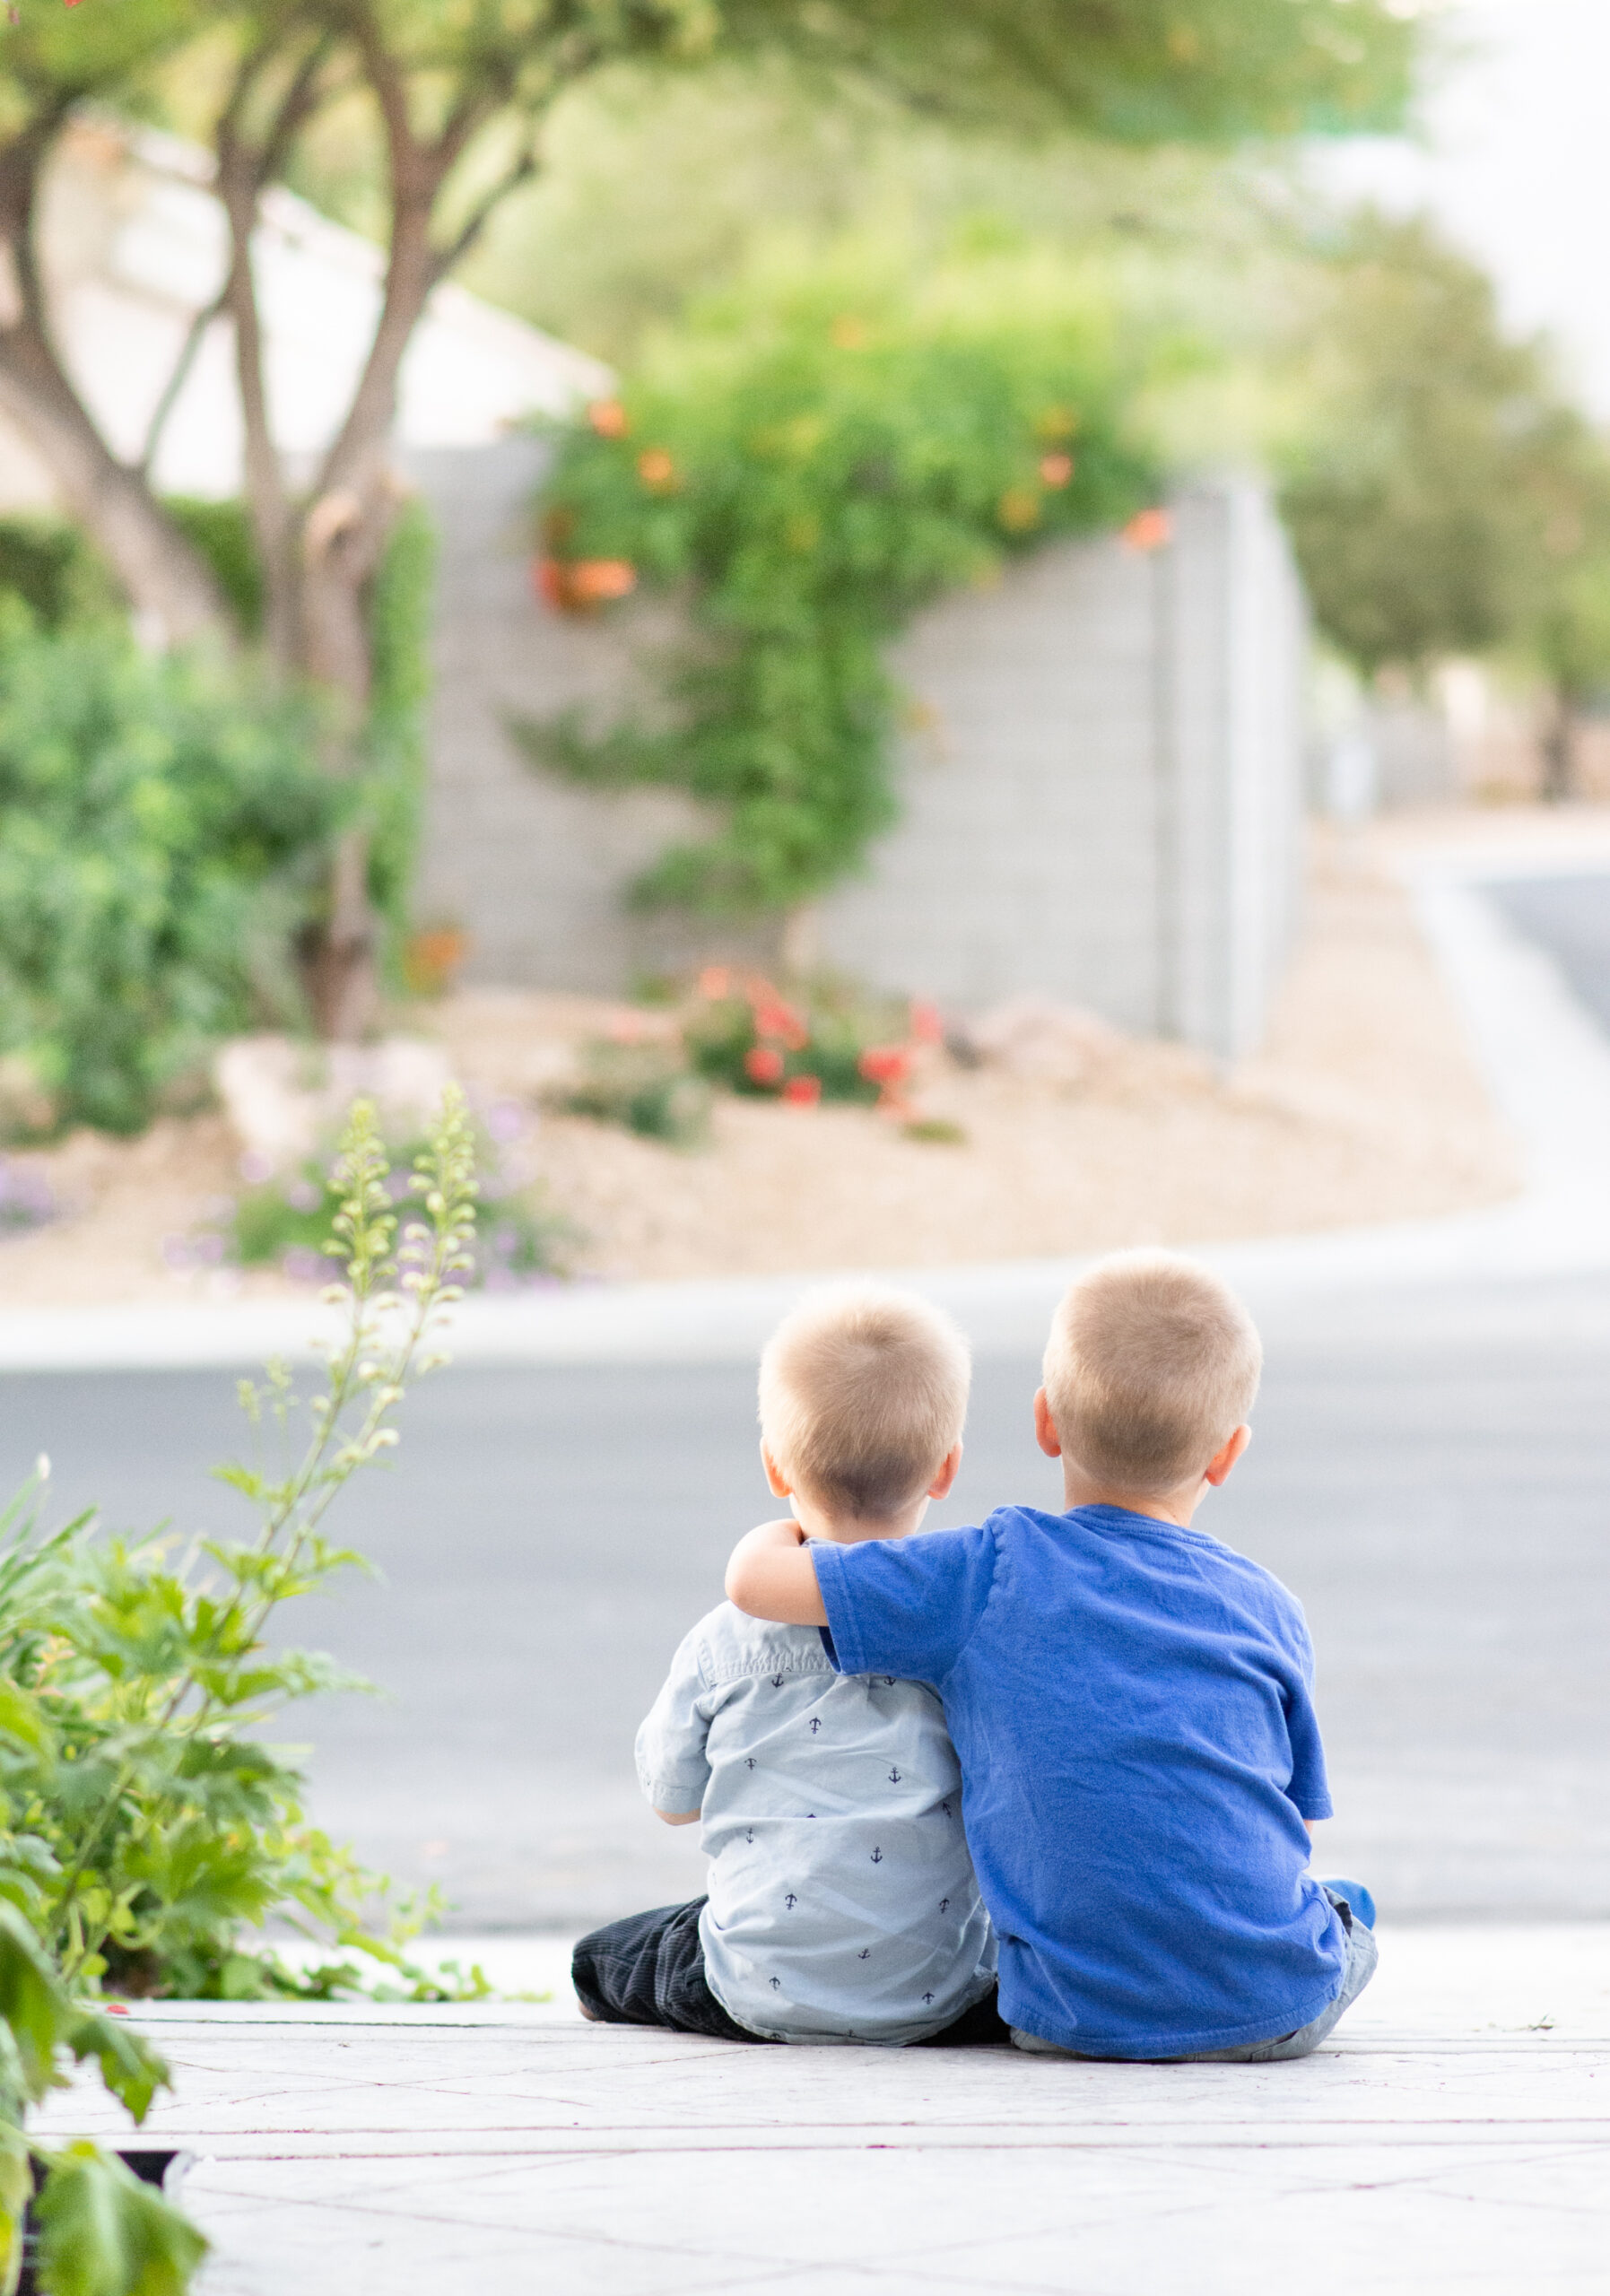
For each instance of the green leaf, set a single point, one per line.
(130, 2068)
(33, 2005)
(104, 2233)
(21, 1716)
(16, 2190)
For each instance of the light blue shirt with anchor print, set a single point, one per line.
(843, 1901)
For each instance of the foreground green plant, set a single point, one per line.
(146, 1824)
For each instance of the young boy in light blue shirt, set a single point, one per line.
(842, 1903)
(1131, 1700)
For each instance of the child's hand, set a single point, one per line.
(772, 1576)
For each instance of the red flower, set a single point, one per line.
(926, 1027)
(885, 1065)
(803, 1092)
(773, 1018)
(764, 1066)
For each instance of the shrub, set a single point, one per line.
(399, 600)
(161, 824)
(648, 1088)
(286, 1221)
(144, 1823)
(806, 463)
(832, 1044)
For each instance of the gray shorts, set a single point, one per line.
(1361, 1957)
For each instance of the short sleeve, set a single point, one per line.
(904, 1606)
(672, 1768)
(1310, 1788)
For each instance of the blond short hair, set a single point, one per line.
(863, 1395)
(1152, 1364)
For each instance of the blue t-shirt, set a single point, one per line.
(1132, 1706)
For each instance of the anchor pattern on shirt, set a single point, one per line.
(827, 1747)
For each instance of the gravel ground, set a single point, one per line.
(1362, 1106)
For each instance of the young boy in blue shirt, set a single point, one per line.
(1131, 1701)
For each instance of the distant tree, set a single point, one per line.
(458, 91)
(1447, 497)
(1412, 499)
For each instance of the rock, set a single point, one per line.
(1035, 1038)
(285, 1099)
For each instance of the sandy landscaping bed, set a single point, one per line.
(1362, 1106)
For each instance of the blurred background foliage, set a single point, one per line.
(1118, 224)
(808, 457)
(161, 820)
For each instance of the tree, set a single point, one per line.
(1412, 499)
(1447, 498)
(458, 91)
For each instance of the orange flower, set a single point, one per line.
(593, 579)
(658, 470)
(715, 983)
(1056, 469)
(609, 418)
(1149, 530)
(1018, 510)
(763, 1064)
(578, 584)
(801, 1091)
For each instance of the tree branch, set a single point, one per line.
(447, 259)
(177, 380)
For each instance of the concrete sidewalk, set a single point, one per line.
(1455, 2132)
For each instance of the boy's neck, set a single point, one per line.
(1176, 1507)
(850, 1530)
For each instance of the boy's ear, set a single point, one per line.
(1221, 1463)
(949, 1468)
(780, 1488)
(1045, 1428)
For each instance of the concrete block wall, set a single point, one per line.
(1101, 785)
(1103, 800)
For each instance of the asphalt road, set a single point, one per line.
(1430, 1473)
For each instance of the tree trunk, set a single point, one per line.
(1560, 750)
(170, 587)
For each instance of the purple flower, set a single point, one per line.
(303, 1195)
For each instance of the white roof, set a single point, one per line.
(135, 246)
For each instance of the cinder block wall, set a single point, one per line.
(1103, 790)
(1100, 784)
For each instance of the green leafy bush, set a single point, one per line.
(145, 1823)
(392, 790)
(806, 462)
(161, 820)
(286, 1221)
(649, 1089)
(832, 1043)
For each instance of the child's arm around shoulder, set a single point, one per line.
(771, 1575)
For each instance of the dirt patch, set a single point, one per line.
(1362, 1106)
